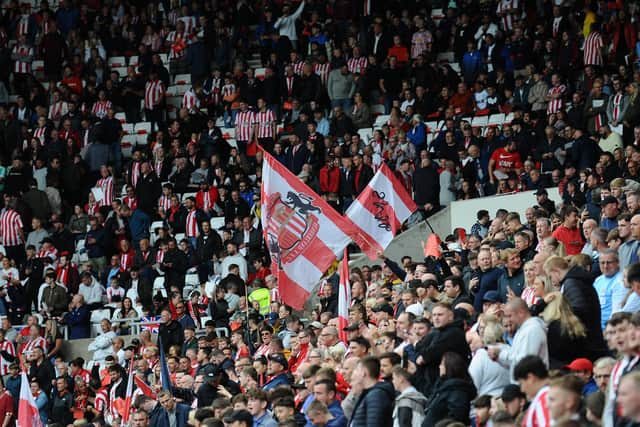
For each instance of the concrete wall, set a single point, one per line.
(458, 214)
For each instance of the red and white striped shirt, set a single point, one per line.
(51, 253)
(9, 348)
(538, 413)
(158, 168)
(100, 108)
(165, 203)
(322, 70)
(215, 90)
(557, 104)
(92, 208)
(617, 107)
(508, 17)
(153, 94)
(10, 227)
(266, 122)
(190, 101)
(23, 55)
(228, 90)
(101, 401)
(274, 294)
(178, 42)
(244, 125)
(113, 411)
(38, 342)
(593, 49)
(106, 184)
(126, 261)
(191, 227)
(289, 80)
(357, 65)
(41, 134)
(57, 110)
(297, 67)
(135, 173)
(132, 202)
(159, 256)
(189, 23)
(23, 26)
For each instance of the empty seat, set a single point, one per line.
(122, 71)
(134, 60)
(117, 61)
(142, 128)
(446, 57)
(98, 315)
(121, 117)
(496, 120)
(158, 284)
(217, 222)
(377, 109)
(127, 128)
(164, 58)
(480, 121)
(186, 195)
(172, 91)
(127, 143)
(182, 79)
(365, 134)
(182, 89)
(260, 73)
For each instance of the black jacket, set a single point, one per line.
(374, 407)
(577, 288)
(148, 191)
(451, 398)
(433, 346)
(171, 334)
(426, 186)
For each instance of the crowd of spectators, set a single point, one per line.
(131, 138)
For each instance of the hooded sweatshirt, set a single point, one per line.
(409, 408)
(530, 340)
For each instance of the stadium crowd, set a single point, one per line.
(130, 171)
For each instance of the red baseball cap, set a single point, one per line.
(580, 364)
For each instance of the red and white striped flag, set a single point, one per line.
(303, 233)
(28, 415)
(379, 211)
(144, 387)
(344, 298)
(128, 396)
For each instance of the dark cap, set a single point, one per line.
(491, 296)
(511, 392)
(352, 327)
(386, 308)
(242, 416)
(279, 358)
(540, 192)
(46, 240)
(607, 200)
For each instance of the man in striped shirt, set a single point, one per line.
(532, 375)
(12, 233)
(593, 46)
(154, 93)
(265, 125)
(22, 55)
(245, 126)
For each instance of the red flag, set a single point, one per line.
(303, 233)
(344, 298)
(128, 395)
(433, 248)
(379, 211)
(144, 387)
(28, 415)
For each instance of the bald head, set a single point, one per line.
(516, 311)
(635, 227)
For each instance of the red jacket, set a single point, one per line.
(329, 180)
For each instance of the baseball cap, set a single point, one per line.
(580, 364)
(279, 358)
(242, 416)
(491, 296)
(316, 325)
(352, 327)
(541, 191)
(511, 392)
(608, 199)
(384, 308)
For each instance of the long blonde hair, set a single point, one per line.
(559, 309)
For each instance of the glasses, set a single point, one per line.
(265, 334)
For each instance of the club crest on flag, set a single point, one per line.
(291, 227)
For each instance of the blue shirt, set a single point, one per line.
(611, 293)
(139, 224)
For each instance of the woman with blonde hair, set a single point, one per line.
(489, 376)
(583, 261)
(553, 246)
(529, 291)
(566, 335)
